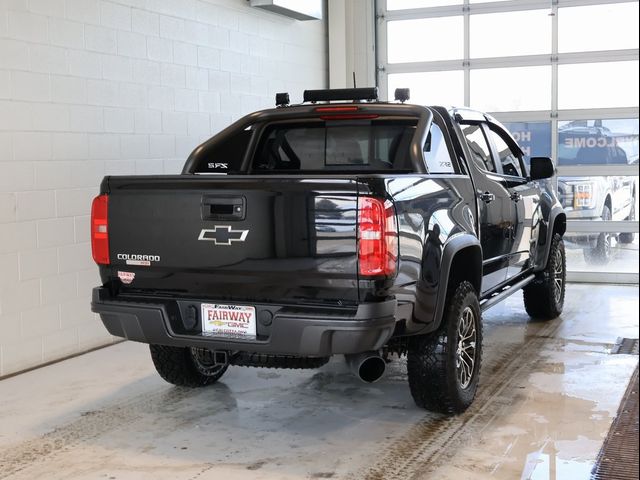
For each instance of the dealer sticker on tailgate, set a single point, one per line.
(236, 320)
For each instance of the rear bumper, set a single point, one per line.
(293, 329)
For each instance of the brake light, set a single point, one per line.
(344, 113)
(350, 108)
(377, 237)
(355, 116)
(99, 230)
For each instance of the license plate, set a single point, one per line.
(235, 320)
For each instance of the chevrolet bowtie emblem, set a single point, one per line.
(222, 235)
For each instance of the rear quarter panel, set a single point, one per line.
(431, 210)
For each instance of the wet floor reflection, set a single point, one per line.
(549, 391)
(546, 466)
(558, 407)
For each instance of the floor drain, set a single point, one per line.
(626, 346)
(618, 458)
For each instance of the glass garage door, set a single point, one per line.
(562, 76)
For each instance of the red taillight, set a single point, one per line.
(377, 237)
(100, 230)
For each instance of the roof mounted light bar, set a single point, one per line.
(336, 94)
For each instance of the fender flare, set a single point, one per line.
(557, 213)
(455, 244)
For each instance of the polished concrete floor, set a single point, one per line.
(548, 394)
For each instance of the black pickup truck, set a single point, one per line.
(343, 225)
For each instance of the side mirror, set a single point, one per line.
(542, 167)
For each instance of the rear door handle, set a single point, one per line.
(486, 197)
(516, 197)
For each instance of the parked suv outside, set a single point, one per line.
(599, 198)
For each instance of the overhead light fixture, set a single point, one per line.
(298, 9)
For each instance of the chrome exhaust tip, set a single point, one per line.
(368, 366)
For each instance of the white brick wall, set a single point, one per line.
(95, 87)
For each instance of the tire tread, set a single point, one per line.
(539, 299)
(175, 365)
(429, 366)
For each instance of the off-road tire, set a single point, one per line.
(177, 365)
(602, 252)
(544, 297)
(629, 237)
(432, 360)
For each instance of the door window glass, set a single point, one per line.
(480, 151)
(510, 162)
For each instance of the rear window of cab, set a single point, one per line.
(335, 145)
(330, 146)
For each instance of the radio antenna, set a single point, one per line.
(354, 79)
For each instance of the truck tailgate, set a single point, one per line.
(237, 238)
